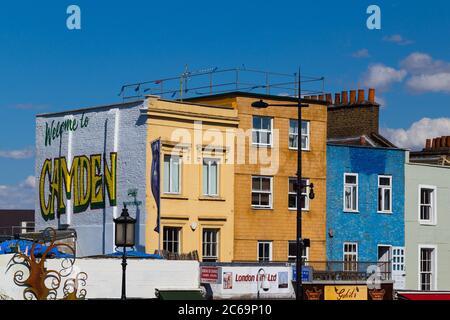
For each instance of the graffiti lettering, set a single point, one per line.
(85, 182)
(55, 130)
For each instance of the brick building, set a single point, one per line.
(436, 151)
(265, 205)
(365, 190)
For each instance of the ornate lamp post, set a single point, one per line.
(299, 185)
(125, 227)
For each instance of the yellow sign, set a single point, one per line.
(345, 293)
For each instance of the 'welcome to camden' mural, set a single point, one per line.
(87, 182)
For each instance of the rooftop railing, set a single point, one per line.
(215, 81)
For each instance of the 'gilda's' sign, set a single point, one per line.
(87, 182)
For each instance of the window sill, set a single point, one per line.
(348, 211)
(295, 209)
(385, 212)
(268, 146)
(211, 198)
(425, 223)
(261, 208)
(174, 196)
(295, 149)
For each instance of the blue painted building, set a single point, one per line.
(365, 205)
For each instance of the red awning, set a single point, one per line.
(425, 296)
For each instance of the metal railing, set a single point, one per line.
(215, 81)
(9, 233)
(328, 270)
(349, 270)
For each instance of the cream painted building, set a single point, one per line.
(197, 185)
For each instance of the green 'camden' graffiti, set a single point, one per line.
(55, 131)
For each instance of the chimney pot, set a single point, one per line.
(352, 96)
(428, 144)
(337, 98)
(362, 140)
(361, 96)
(329, 98)
(321, 97)
(443, 142)
(344, 97)
(448, 141)
(314, 97)
(371, 97)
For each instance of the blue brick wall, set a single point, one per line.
(367, 227)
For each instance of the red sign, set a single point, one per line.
(209, 274)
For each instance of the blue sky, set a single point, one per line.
(46, 67)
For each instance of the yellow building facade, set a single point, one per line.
(267, 231)
(197, 183)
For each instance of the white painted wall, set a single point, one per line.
(105, 276)
(116, 128)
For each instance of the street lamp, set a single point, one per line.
(124, 238)
(298, 185)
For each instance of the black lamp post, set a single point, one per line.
(125, 226)
(299, 185)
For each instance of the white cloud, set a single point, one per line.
(422, 63)
(414, 137)
(397, 39)
(362, 53)
(29, 182)
(439, 82)
(381, 101)
(427, 74)
(381, 77)
(20, 196)
(17, 154)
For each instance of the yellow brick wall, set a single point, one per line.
(279, 224)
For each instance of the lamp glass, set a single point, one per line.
(129, 234)
(120, 234)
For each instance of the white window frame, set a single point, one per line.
(171, 156)
(434, 211)
(434, 266)
(259, 144)
(344, 253)
(357, 191)
(260, 191)
(305, 254)
(382, 187)
(217, 243)
(270, 249)
(306, 194)
(178, 236)
(217, 161)
(307, 135)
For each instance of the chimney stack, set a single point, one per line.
(371, 97)
(352, 96)
(361, 95)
